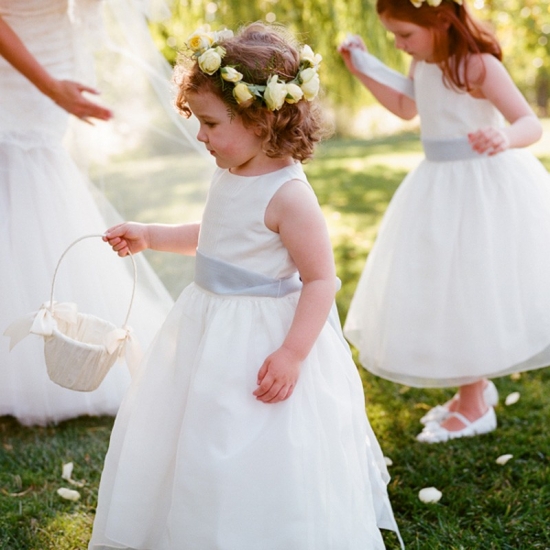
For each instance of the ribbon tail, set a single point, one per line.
(375, 69)
(19, 329)
(133, 354)
(122, 342)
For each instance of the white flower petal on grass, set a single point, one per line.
(67, 471)
(388, 461)
(429, 495)
(76, 483)
(512, 398)
(68, 494)
(503, 459)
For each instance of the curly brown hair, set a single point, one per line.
(457, 34)
(259, 51)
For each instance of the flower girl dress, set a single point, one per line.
(195, 460)
(457, 286)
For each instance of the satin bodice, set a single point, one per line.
(445, 112)
(233, 226)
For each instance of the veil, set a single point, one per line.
(145, 164)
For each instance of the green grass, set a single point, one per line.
(484, 506)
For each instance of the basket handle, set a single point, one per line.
(67, 250)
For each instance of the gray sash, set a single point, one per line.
(442, 150)
(222, 277)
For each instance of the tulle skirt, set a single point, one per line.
(457, 286)
(45, 205)
(196, 462)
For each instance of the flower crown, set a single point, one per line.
(433, 3)
(207, 48)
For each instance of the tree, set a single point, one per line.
(522, 26)
(321, 24)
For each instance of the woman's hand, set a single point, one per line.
(69, 96)
(489, 140)
(278, 376)
(128, 237)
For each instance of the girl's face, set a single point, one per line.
(417, 41)
(232, 145)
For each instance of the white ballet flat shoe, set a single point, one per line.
(435, 433)
(439, 413)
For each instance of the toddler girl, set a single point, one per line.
(246, 427)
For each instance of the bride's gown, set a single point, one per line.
(46, 203)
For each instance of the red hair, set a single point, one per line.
(457, 34)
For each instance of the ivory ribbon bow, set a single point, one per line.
(123, 340)
(41, 322)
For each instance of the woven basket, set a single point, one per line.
(77, 355)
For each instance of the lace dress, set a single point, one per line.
(46, 203)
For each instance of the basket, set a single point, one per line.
(79, 349)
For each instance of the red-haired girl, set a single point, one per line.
(456, 289)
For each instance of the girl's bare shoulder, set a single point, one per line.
(481, 66)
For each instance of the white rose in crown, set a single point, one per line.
(230, 74)
(293, 93)
(310, 83)
(275, 93)
(242, 94)
(307, 55)
(210, 61)
(200, 40)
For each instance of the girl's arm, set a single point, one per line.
(134, 237)
(65, 93)
(396, 102)
(295, 214)
(495, 84)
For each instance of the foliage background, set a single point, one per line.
(522, 26)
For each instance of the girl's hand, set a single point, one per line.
(489, 140)
(278, 376)
(128, 237)
(69, 96)
(345, 48)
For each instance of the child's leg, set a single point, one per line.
(472, 416)
(439, 413)
(470, 403)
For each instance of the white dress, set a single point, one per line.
(46, 203)
(195, 461)
(457, 286)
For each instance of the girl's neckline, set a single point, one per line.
(228, 170)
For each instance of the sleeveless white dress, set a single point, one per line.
(457, 286)
(46, 203)
(195, 461)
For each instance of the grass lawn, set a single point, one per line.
(484, 505)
